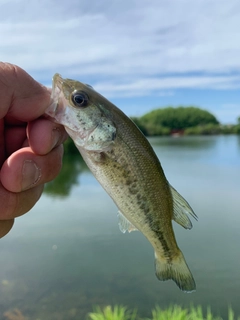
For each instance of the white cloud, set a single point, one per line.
(112, 39)
(147, 85)
(126, 48)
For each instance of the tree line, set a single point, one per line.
(182, 120)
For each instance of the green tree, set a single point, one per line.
(178, 118)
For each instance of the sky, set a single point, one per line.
(139, 54)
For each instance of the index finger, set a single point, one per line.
(22, 97)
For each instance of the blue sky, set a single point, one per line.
(139, 54)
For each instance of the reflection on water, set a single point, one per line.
(189, 142)
(72, 168)
(68, 254)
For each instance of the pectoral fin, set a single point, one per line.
(124, 224)
(181, 209)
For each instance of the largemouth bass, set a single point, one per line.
(123, 161)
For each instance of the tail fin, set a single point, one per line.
(177, 270)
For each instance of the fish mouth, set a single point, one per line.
(57, 83)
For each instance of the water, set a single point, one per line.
(68, 254)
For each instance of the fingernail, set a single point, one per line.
(31, 174)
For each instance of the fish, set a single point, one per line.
(125, 164)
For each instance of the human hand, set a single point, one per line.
(30, 145)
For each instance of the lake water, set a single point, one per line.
(68, 254)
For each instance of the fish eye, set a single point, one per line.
(80, 98)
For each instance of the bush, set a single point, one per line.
(203, 130)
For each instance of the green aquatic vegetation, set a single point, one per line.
(173, 312)
(112, 313)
